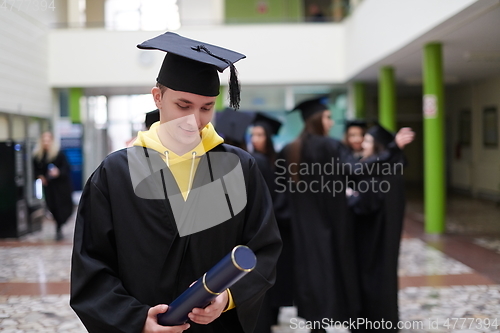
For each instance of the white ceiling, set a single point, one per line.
(471, 48)
(471, 51)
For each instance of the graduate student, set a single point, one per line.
(322, 256)
(313, 170)
(281, 294)
(354, 133)
(262, 132)
(378, 212)
(150, 118)
(233, 125)
(155, 217)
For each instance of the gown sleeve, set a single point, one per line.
(97, 294)
(367, 166)
(261, 234)
(63, 165)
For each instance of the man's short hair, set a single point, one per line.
(161, 87)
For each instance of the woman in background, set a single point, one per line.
(52, 168)
(324, 260)
(262, 132)
(281, 294)
(323, 252)
(354, 135)
(378, 212)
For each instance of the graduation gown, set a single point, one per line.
(378, 221)
(325, 283)
(58, 190)
(281, 294)
(128, 254)
(323, 235)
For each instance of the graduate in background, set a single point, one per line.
(354, 133)
(155, 217)
(378, 212)
(232, 125)
(262, 132)
(323, 257)
(281, 294)
(150, 118)
(325, 276)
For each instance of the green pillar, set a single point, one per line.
(74, 104)
(434, 154)
(387, 98)
(359, 100)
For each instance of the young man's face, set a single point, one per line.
(183, 114)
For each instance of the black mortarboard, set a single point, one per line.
(232, 125)
(380, 135)
(192, 66)
(355, 123)
(151, 118)
(310, 107)
(270, 124)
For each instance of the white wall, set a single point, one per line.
(378, 28)
(478, 169)
(276, 54)
(24, 87)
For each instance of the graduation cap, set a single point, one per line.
(310, 107)
(355, 123)
(151, 118)
(380, 135)
(271, 125)
(192, 66)
(232, 125)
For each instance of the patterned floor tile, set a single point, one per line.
(418, 259)
(489, 243)
(49, 263)
(457, 309)
(51, 313)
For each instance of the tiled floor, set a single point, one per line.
(453, 276)
(489, 243)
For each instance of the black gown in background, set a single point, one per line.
(378, 221)
(58, 190)
(324, 258)
(325, 284)
(281, 294)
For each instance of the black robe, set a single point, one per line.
(323, 253)
(58, 190)
(325, 276)
(378, 220)
(281, 294)
(128, 255)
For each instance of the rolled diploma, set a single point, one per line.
(230, 269)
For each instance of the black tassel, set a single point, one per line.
(234, 85)
(234, 88)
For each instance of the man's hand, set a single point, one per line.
(404, 136)
(152, 326)
(211, 312)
